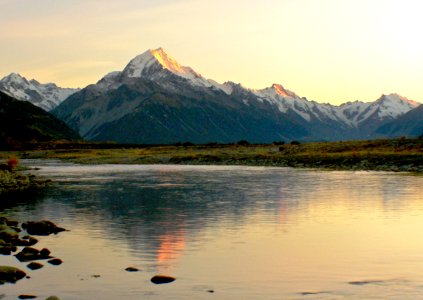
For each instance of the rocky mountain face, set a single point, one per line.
(47, 96)
(409, 124)
(22, 122)
(155, 100)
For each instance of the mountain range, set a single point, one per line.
(47, 96)
(155, 100)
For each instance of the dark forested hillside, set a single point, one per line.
(22, 122)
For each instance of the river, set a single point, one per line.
(225, 232)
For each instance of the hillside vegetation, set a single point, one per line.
(21, 122)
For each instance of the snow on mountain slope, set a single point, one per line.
(351, 114)
(47, 96)
(386, 107)
(287, 100)
(157, 64)
(155, 84)
(393, 105)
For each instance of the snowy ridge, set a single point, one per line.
(394, 105)
(47, 96)
(287, 100)
(154, 99)
(351, 114)
(158, 64)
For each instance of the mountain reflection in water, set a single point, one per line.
(245, 232)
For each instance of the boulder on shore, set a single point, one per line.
(10, 274)
(29, 253)
(160, 279)
(34, 266)
(8, 233)
(41, 228)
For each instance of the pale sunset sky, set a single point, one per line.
(326, 50)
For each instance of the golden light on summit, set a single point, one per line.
(280, 90)
(168, 62)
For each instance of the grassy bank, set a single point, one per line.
(13, 179)
(387, 155)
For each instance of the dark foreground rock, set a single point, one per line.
(27, 297)
(8, 233)
(34, 266)
(12, 238)
(41, 228)
(7, 248)
(161, 279)
(29, 254)
(55, 261)
(10, 274)
(131, 269)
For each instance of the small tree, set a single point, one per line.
(12, 162)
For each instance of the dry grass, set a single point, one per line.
(397, 154)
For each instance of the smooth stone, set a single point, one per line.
(45, 252)
(55, 261)
(10, 274)
(41, 228)
(7, 233)
(161, 279)
(34, 266)
(8, 222)
(7, 248)
(27, 297)
(53, 298)
(131, 269)
(29, 253)
(29, 240)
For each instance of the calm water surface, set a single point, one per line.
(241, 232)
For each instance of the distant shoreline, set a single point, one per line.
(397, 155)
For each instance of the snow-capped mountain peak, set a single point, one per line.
(395, 98)
(172, 65)
(393, 105)
(157, 64)
(15, 78)
(47, 96)
(141, 65)
(280, 90)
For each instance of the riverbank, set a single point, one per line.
(402, 155)
(14, 180)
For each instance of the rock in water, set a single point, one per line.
(160, 279)
(8, 233)
(29, 253)
(8, 222)
(27, 297)
(41, 228)
(10, 274)
(34, 266)
(55, 261)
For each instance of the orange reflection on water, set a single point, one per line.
(171, 247)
